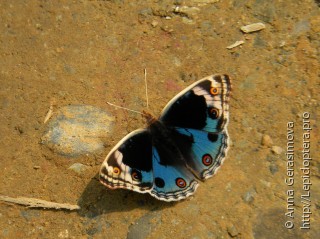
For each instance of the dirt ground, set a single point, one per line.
(89, 52)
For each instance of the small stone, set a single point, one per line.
(19, 129)
(273, 168)
(237, 43)
(188, 11)
(249, 196)
(282, 43)
(167, 29)
(265, 183)
(63, 234)
(154, 23)
(232, 230)
(38, 26)
(36, 167)
(78, 167)
(176, 61)
(266, 140)
(59, 18)
(254, 27)
(276, 150)
(187, 20)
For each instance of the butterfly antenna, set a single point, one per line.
(145, 80)
(120, 107)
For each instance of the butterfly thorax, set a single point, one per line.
(162, 139)
(149, 117)
(161, 135)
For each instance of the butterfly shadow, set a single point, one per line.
(96, 199)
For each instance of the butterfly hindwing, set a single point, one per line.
(202, 106)
(172, 182)
(129, 164)
(203, 151)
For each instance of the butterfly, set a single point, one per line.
(186, 144)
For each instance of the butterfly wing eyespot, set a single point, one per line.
(136, 175)
(214, 91)
(207, 160)
(116, 171)
(213, 113)
(181, 183)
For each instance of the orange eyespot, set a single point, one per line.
(116, 170)
(207, 159)
(214, 91)
(181, 183)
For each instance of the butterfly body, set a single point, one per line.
(188, 142)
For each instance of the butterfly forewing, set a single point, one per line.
(129, 164)
(202, 106)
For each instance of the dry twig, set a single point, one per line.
(34, 202)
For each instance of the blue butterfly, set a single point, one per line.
(187, 143)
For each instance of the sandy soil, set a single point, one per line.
(90, 52)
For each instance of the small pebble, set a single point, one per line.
(265, 183)
(187, 20)
(63, 234)
(232, 230)
(276, 150)
(249, 196)
(253, 27)
(19, 129)
(237, 43)
(273, 168)
(154, 23)
(78, 167)
(188, 11)
(266, 140)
